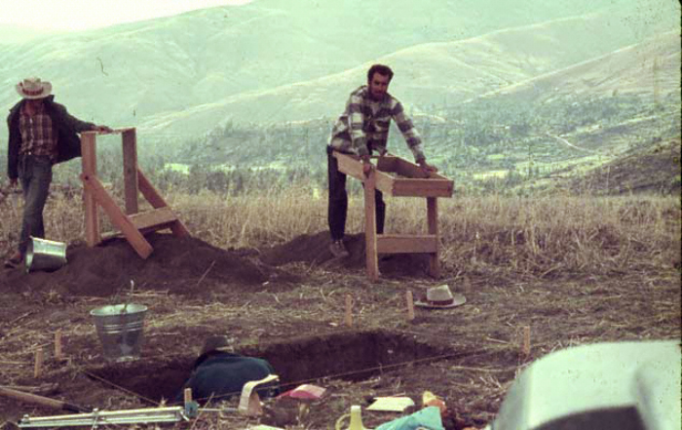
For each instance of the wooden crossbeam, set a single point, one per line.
(95, 188)
(156, 219)
(422, 188)
(406, 244)
(154, 198)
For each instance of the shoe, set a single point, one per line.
(14, 261)
(338, 249)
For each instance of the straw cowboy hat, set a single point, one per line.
(34, 88)
(441, 298)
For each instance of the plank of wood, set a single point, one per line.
(432, 223)
(407, 187)
(387, 163)
(371, 229)
(349, 165)
(130, 171)
(89, 167)
(385, 183)
(118, 218)
(150, 193)
(155, 219)
(406, 244)
(154, 198)
(408, 169)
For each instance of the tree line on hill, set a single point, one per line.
(500, 135)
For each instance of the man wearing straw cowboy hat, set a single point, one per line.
(41, 133)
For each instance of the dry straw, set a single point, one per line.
(539, 236)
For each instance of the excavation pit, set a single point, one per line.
(348, 356)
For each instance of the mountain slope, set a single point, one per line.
(134, 74)
(650, 69)
(434, 75)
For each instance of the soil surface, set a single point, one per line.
(287, 304)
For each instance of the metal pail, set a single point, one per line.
(44, 255)
(120, 329)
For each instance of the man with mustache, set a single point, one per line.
(360, 130)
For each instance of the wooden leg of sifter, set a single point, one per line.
(371, 228)
(432, 217)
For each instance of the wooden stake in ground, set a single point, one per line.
(410, 305)
(349, 311)
(525, 348)
(188, 395)
(38, 367)
(58, 344)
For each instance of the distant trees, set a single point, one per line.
(489, 135)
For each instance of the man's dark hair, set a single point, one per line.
(380, 69)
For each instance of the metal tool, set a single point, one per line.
(96, 418)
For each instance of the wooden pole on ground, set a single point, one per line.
(410, 305)
(58, 344)
(349, 311)
(38, 365)
(526, 341)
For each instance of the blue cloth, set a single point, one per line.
(220, 375)
(35, 175)
(428, 418)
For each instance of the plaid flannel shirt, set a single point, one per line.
(363, 126)
(38, 135)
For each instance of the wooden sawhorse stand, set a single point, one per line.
(411, 182)
(132, 224)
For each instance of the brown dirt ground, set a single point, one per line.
(286, 304)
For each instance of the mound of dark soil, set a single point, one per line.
(187, 265)
(314, 250)
(179, 265)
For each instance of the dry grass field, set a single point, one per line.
(575, 269)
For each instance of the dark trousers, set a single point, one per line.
(35, 175)
(338, 200)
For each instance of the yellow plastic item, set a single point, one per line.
(430, 399)
(355, 419)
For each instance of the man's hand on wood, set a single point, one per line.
(102, 129)
(366, 165)
(427, 168)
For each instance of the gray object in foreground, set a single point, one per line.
(607, 386)
(98, 418)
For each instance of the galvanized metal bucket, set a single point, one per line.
(46, 255)
(120, 329)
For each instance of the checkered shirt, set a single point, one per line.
(363, 126)
(38, 134)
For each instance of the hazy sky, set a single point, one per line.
(82, 14)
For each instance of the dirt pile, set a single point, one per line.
(314, 250)
(188, 266)
(180, 265)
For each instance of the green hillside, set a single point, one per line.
(222, 62)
